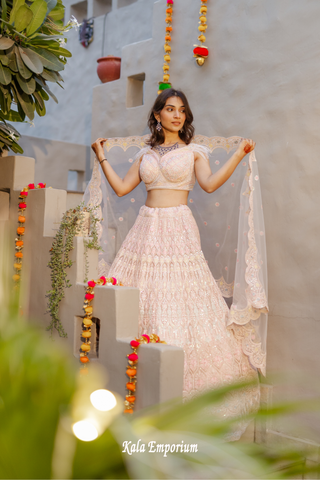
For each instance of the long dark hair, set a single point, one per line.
(157, 138)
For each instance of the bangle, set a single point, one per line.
(104, 160)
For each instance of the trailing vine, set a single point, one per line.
(71, 224)
(92, 244)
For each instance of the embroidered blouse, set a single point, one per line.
(172, 171)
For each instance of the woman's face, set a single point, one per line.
(172, 116)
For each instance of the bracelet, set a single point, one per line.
(104, 160)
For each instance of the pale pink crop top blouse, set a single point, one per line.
(172, 171)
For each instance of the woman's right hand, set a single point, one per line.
(97, 147)
(246, 146)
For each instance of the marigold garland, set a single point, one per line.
(132, 368)
(87, 321)
(21, 230)
(201, 52)
(167, 48)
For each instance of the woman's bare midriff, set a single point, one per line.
(166, 198)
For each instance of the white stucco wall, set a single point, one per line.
(260, 81)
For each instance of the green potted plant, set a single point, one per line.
(32, 54)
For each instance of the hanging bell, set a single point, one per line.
(200, 53)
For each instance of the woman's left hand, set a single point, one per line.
(246, 146)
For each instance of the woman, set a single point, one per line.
(161, 255)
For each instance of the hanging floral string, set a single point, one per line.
(201, 52)
(132, 368)
(21, 230)
(87, 321)
(167, 48)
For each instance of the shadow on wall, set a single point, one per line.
(56, 162)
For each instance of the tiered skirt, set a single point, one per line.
(181, 302)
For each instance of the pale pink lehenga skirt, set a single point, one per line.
(181, 302)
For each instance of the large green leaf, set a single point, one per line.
(49, 31)
(60, 51)
(9, 129)
(43, 43)
(5, 140)
(5, 75)
(12, 116)
(12, 59)
(15, 147)
(3, 103)
(5, 100)
(28, 86)
(25, 102)
(47, 89)
(41, 111)
(49, 76)
(4, 59)
(49, 60)
(43, 94)
(23, 70)
(21, 111)
(6, 90)
(57, 13)
(23, 17)
(31, 59)
(39, 10)
(16, 5)
(41, 36)
(5, 43)
(4, 10)
(39, 100)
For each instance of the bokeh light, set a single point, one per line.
(103, 400)
(85, 431)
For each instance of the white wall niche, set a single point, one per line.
(75, 180)
(79, 10)
(125, 3)
(101, 7)
(135, 90)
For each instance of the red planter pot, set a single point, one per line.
(109, 68)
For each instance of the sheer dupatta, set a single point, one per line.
(230, 222)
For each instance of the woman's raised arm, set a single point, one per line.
(121, 186)
(209, 181)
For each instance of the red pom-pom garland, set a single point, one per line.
(87, 321)
(132, 368)
(21, 231)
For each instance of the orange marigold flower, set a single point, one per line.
(130, 398)
(84, 359)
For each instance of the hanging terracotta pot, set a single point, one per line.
(108, 68)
